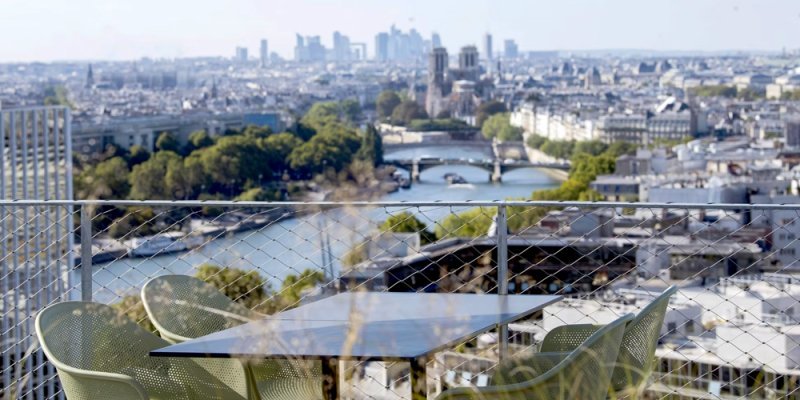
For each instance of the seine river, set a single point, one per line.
(295, 244)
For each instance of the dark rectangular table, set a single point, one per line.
(366, 326)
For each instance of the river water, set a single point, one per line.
(295, 244)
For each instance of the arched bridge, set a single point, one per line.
(495, 167)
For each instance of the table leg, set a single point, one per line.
(330, 378)
(419, 379)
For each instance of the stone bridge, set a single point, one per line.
(495, 167)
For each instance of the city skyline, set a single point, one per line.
(93, 30)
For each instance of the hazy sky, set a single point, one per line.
(46, 30)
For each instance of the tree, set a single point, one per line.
(387, 101)
(429, 125)
(137, 155)
(617, 149)
(147, 178)
(167, 142)
(245, 287)
(715, 91)
(57, 96)
(405, 222)
(536, 141)
(186, 177)
(108, 180)
(558, 148)
(371, 147)
(593, 147)
(197, 140)
(293, 286)
(325, 150)
(257, 194)
(234, 160)
(408, 111)
(488, 109)
(324, 114)
(499, 126)
(131, 306)
(279, 146)
(471, 223)
(258, 132)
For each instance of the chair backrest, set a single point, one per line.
(587, 371)
(88, 342)
(637, 353)
(84, 335)
(583, 374)
(183, 307)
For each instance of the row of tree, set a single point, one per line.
(747, 94)
(239, 161)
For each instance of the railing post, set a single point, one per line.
(86, 254)
(502, 273)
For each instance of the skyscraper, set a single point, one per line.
(399, 46)
(511, 50)
(300, 50)
(89, 77)
(241, 55)
(436, 40)
(487, 46)
(382, 46)
(316, 51)
(264, 53)
(36, 244)
(341, 47)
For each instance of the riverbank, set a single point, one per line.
(556, 174)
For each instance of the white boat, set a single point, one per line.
(158, 244)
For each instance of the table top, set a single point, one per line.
(365, 325)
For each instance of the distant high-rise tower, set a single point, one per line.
(341, 47)
(300, 50)
(241, 55)
(487, 46)
(382, 46)
(436, 40)
(264, 53)
(89, 77)
(438, 62)
(511, 50)
(36, 244)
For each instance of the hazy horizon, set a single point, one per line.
(52, 30)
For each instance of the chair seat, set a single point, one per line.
(521, 368)
(290, 389)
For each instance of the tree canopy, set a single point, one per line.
(408, 111)
(488, 109)
(405, 222)
(167, 142)
(499, 126)
(387, 101)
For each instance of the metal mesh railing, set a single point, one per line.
(731, 331)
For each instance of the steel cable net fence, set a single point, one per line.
(731, 330)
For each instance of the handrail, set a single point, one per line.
(329, 204)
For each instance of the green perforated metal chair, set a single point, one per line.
(636, 356)
(584, 373)
(182, 307)
(100, 354)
